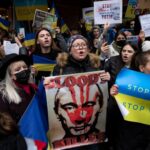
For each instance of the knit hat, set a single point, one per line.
(8, 59)
(73, 38)
(145, 46)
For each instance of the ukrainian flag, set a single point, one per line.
(43, 64)
(4, 24)
(133, 96)
(53, 10)
(29, 39)
(64, 27)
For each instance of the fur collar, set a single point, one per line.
(62, 60)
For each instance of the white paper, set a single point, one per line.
(108, 12)
(145, 24)
(10, 48)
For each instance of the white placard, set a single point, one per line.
(145, 24)
(108, 12)
(10, 48)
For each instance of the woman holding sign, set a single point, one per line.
(131, 135)
(79, 60)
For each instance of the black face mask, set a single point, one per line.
(23, 76)
(121, 43)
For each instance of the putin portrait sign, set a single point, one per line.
(76, 109)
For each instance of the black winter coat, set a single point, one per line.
(74, 66)
(66, 64)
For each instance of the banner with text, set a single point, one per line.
(76, 109)
(134, 96)
(108, 12)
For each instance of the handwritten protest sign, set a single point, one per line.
(134, 96)
(145, 24)
(108, 11)
(76, 109)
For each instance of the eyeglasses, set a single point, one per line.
(78, 46)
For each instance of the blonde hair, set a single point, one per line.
(9, 89)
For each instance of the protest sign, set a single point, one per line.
(10, 48)
(88, 13)
(88, 16)
(76, 109)
(145, 24)
(134, 96)
(44, 19)
(130, 12)
(108, 12)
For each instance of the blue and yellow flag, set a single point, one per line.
(29, 39)
(43, 64)
(64, 27)
(25, 9)
(4, 24)
(134, 96)
(130, 12)
(53, 10)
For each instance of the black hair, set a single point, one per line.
(118, 33)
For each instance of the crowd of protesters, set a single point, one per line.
(103, 48)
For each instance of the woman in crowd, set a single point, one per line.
(10, 138)
(133, 135)
(16, 91)
(116, 63)
(113, 49)
(79, 60)
(44, 47)
(98, 37)
(113, 66)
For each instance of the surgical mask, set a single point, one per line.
(121, 43)
(23, 76)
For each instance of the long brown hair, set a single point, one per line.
(37, 47)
